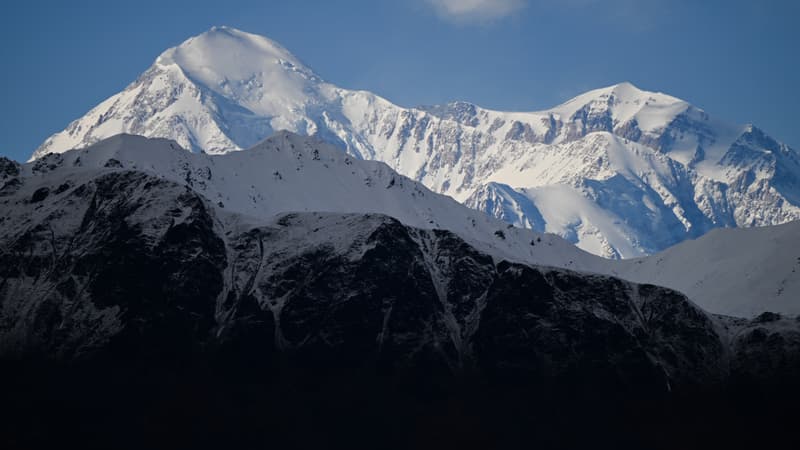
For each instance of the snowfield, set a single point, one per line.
(742, 272)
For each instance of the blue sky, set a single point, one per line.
(736, 59)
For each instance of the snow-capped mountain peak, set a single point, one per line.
(222, 90)
(619, 171)
(219, 42)
(241, 66)
(623, 103)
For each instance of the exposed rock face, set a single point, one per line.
(118, 262)
(769, 343)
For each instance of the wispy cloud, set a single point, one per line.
(634, 14)
(476, 10)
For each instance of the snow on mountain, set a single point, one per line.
(291, 173)
(121, 253)
(618, 171)
(741, 272)
(215, 93)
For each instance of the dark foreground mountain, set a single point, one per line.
(136, 312)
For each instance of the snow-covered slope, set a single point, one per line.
(292, 173)
(737, 272)
(639, 171)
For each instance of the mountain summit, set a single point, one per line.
(619, 171)
(240, 67)
(220, 91)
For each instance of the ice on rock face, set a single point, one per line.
(645, 170)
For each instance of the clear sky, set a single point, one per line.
(739, 60)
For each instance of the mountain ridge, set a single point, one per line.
(737, 272)
(125, 248)
(288, 173)
(652, 170)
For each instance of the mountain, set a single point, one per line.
(97, 237)
(742, 272)
(212, 299)
(220, 91)
(291, 173)
(619, 171)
